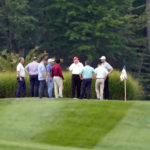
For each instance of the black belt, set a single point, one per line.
(34, 75)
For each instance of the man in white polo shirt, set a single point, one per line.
(76, 68)
(109, 68)
(101, 75)
(21, 78)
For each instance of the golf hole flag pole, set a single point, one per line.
(123, 77)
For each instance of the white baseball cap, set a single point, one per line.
(103, 58)
(50, 60)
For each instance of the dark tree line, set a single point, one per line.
(87, 28)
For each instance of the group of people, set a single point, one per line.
(42, 77)
(82, 77)
(48, 73)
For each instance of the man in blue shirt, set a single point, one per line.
(42, 77)
(49, 77)
(86, 77)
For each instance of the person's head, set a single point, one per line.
(44, 60)
(34, 58)
(58, 61)
(21, 60)
(87, 63)
(50, 61)
(103, 59)
(76, 60)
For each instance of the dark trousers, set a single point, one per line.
(76, 83)
(34, 86)
(106, 89)
(86, 84)
(21, 86)
(43, 88)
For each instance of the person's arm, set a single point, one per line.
(48, 73)
(42, 68)
(50, 78)
(80, 75)
(44, 75)
(60, 73)
(110, 68)
(18, 74)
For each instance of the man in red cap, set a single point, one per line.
(76, 68)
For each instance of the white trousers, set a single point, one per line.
(58, 86)
(99, 88)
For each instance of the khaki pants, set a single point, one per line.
(58, 86)
(99, 87)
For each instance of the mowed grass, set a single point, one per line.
(33, 124)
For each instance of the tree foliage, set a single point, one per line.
(87, 29)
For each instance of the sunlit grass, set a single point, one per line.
(63, 122)
(67, 124)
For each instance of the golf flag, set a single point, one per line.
(123, 76)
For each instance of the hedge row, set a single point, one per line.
(8, 86)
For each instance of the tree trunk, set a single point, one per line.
(148, 23)
(21, 52)
(10, 39)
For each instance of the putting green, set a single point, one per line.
(67, 124)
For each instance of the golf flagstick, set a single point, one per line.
(125, 90)
(123, 77)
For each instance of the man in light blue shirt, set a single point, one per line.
(86, 75)
(42, 77)
(49, 77)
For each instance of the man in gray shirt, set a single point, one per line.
(109, 68)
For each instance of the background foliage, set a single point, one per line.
(88, 29)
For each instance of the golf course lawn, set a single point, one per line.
(67, 124)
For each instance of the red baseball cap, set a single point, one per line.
(75, 58)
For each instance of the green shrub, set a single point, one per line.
(8, 86)
(116, 88)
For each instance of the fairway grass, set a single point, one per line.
(66, 124)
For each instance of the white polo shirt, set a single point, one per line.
(76, 68)
(20, 69)
(101, 72)
(107, 66)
